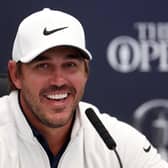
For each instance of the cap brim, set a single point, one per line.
(84, 53)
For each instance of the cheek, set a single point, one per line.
(31, 83)
(80, 82)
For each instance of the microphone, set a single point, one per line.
(100, 128)
(103, 133)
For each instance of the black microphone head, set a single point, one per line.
(100, 128)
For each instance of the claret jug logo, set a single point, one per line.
(146, 53)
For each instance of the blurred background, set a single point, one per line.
(129, 44)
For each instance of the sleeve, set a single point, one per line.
(8, 156)
(137, 152)
(5, 160)
(147, 156)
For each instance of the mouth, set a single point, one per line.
(57, 96)
(56, 100)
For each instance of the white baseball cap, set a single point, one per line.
(46, 29)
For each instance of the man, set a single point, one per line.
(43, 122)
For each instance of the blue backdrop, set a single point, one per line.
(128, 41)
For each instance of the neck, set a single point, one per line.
(55, 137)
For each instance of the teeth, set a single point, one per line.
(57, 96)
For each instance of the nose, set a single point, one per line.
(58, 77)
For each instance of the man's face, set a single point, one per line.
(52, 85)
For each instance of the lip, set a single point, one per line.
(57, 97)
(49, 99)
(47, 96)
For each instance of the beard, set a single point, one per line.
(33, 105)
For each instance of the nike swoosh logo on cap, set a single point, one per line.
(48, 32)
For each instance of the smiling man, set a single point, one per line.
(51, 85)
(43, 122)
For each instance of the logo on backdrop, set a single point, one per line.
(153, 116)
(146, 53)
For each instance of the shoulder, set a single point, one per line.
(7, 127)
(132, 146)
(122, 132)
(6, 108)
(109, 121)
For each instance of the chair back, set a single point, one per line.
(4, 87)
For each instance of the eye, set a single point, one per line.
(71, 65)
(42, 66)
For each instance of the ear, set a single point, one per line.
(13, 74)
(87, 67)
